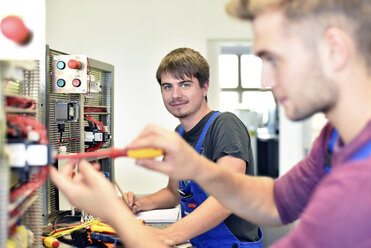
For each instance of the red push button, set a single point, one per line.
(74, 64)
(76, 82)
(14, 29)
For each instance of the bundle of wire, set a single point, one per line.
(52, 234)
(20, 102)
(21, 125)
(50, 240)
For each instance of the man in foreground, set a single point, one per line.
(316, 58)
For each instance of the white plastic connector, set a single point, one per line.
(17, 155)
(62, 150)
(33, 136)
(20, 155)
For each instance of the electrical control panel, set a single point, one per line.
(49, 102)
(79, 116)
(70, 74)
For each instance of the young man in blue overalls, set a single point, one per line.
(183, 75)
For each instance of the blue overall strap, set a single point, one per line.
(330, 149)
(180, 130)
(202, 136)
(362, 153)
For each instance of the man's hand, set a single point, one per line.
(133, 202)
(180, 160)
(88, 189)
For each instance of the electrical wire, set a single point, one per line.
(67, 230)
(26, 124)
(64, 140)
(20, 102)
(88, 109)
(59, 224)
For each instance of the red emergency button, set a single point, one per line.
(74, 64)
(14, 29)
(76, 82)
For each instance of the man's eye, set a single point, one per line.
(185, 85)
(271, 60)
(166, 87)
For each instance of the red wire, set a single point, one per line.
(66, 224)
(94, 109)
(28, 123)
(20, 102)
(100, 124)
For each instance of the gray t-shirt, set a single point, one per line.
(227, 135)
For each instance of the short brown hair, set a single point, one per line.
(353, 16)
(184, 62)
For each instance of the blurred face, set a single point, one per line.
(182, 98)
(291, 68)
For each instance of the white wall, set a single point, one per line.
(134, 35)
(291, 142)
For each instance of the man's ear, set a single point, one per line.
(206, 88)
(338, 47)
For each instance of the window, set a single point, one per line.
(240, 82)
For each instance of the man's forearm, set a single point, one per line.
(132, 232)
(164, 198)
(250, 197)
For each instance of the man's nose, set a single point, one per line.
(177, 92)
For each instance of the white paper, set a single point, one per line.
(170, 215)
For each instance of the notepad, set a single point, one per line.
(159, 215)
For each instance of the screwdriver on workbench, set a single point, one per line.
(114, 153)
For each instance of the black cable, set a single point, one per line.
(61, 127)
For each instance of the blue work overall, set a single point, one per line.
(363, 153)
(192, 196)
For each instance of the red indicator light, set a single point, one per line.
(76, 82)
